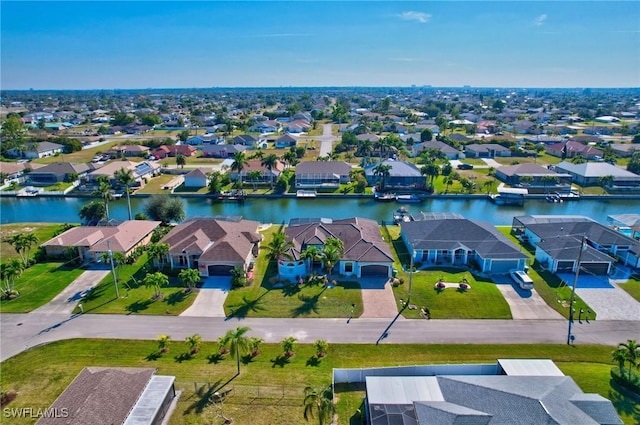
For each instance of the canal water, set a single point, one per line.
(279, 210)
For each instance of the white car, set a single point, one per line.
(522, 279)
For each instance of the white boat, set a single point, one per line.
(306, 194)
(401, 215)
(413, 198)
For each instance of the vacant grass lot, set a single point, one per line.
(269, 388)
(43, 231)
(632, 287)
(85, 155)
(38, 285)
(135, 298)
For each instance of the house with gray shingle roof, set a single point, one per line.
(322, 174)
(222, 151)
(365, 252)
(37, 150)
(57, 172)
(544, 180)
(402, 175)
(486, 150)
(448, 151)
(460, 242)
(196, 178)
(590, 173)
(285, 141)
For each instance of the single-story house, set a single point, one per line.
(128, 150)
(172, 151)
(196, 178)
(513, 391)
(112, 395)
(285, 141)
(488, 150)
(368, 136)
(247, 140)
(322, 174)
(625, 150)
(572, 148)
(213, 246)
(267, 126)
(557, 240)
(57, 172)
(204, 139)
(461, 242)
(448, 151)
(627, 224)
(37, 150)
(222, 151)
(268, 176)
(15, 170)
(544, 180)
(141, 171)
(590, 174)
(92, 242)
(297, 126)
(402, 175)
(366, 254)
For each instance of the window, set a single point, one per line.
(348, 267)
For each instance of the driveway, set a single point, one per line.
(610, 303)
(210, 299)
(524, 304)
(491, 162)
(377, 298)
(66, 300)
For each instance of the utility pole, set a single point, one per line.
(113, 270)
(410, 277)
(570, 337)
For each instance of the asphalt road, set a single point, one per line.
(22, 331)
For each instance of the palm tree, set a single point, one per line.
(236, 342)
(321, 348)
(163, 343)
(448, 181)
(9, 273)
(631, 351)
(431, 170)
(22, 243)
(318, 403)
(156, 252)
(290, 158)
(620, 357)
(382, 171)
(181, 160)
(330, 256)
(606, 181)
(156, 280)
(254, 345)
(288, 344)
(194, 342)
(189, 277)
(253, 176)
(488, 185)
(270, 162)
(125, 177)
(279, 246)
(311, 254)
(239, 163)
(238, 276)
(104, 191)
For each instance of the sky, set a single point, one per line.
(166, 44)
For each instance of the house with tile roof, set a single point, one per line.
(322, 174)
(366, 254)
(573, 148)
(213, 246)
(454, 241)
(128, 151)
(164, 151)
(91, 242)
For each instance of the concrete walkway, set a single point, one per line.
(377, 298)
(66, 301)
(210, 299)
(611, 303)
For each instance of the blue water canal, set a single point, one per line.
(65, 210)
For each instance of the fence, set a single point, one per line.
(359, 375)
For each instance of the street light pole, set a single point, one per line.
(573, 288)
(113, 270)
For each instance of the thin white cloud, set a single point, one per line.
(540, 20)
(421, 17)
(405, 59)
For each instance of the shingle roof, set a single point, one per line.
(60, 168)
(45, 147)
(597, 169)
(526, 170)
(398, 169)
(323, 167)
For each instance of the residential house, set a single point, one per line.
(625, 150)
(627, 224)
(511, 391)
(402, 176)
(557, 241)
(572, 148)
(141, 171)
(322, 174)
(366, 254)
(591, 173)
(91, 242)
(268, 176)
(488, 150)
(453, 241)
(15, 171)
(37, 150)
(57, 172)
(368, 136)
(205, 139)
(267, 126)
(448, 151)
(221, 151)
(128, 151)
(460, 138)
(213, 246)
(296, 126)
(524, 127)
(246, 140)
(196, 178)
(164, 151)
(285, 141)
(542, 179)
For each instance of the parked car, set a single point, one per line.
(465, 166)
(522, 279)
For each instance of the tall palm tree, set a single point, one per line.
(237, 343)
(189, 277)
(330, 256)
(619, 356)
(310, 254)
(631, 351)
(431, 170)
(239, 163)
(156, 252)
(382, 171)
(318, 404)
(253, 176)
(279, 246)
(104, 191)
(125, 177)
(270, 162)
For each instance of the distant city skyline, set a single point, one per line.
(165, 44)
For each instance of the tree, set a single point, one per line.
(631, 351)
(254, 176)
(92, 212)
(12, 134)
(194, 342)
(181, 160)
(156, 281)
(318, 404)
(163, 343)
(189, 277)
(165, 208)
(215, 182)
(619, 356)
(431, 170)
(547, 180)
(254, 345)
(426, 135)
(9, 273)
(310, 254)
(183, 136)
(382, 171)
(288, 344)
(606, 181)
(22, 243)
(118, 258)
(290, 158)
(239, 163)
(236, 342)
(125, 177)
(488, 185)
(270, 162)
(321, 348)
(156, 252)
(331, 253)
(238, 277)
(104, 191)
(279, 246)
(446, 169)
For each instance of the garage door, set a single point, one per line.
(595, 268)
(374, 271)
(503, 267)
(219, 270)
(565, 266)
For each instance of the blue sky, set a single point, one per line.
(154, 44)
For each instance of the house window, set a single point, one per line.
(348, 267)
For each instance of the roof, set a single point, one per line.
(486, 147)
(198, 172)
(223, 148)
(567, 248)
(528, 169)
(596, 169)
(529, 367)
(214, 239)
(573, 146)
(15, 167)
(61, 168)
(454, 233)
(436, 144)
(44, 147)
(323, 167)
(100, 395)
(109, 169)
(398, 169)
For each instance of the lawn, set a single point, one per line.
(135, 298)
(155, 184)
(632, 286)
(43, 231)
(85, 155)
(263, 299)
(270, 384)
(482, 301)
(38, 285)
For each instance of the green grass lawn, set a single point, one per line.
(482, 301)
(85, 155)
(38, 285)
(135, 298)
(270, 384)
(155, 184)
(632, 287)
(43, 231)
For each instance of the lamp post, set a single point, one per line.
(113, 270)
(573, 289)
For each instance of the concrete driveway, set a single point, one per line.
(610, 303)
(66, 300)
(377, 298)
(210, 299)
(524, 304)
